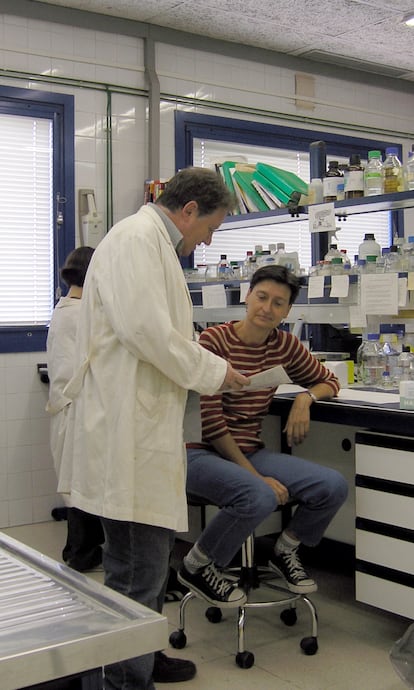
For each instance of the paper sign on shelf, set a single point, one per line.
(379, 293)
(214, 297)
(339, 286)
(322, 218)
(315, 286)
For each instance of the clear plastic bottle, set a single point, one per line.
(371, 361)
(393, 260)
(345, 259)
(391, 352)
(336, 266)
(354, 180)
(330, 182)
(247, 265)
(405, 364)
(409, 172)
(354, 267)
(369, 246)
(373, 174)
(371, 265)
(393, 171)
(332, 252)
(223, 268)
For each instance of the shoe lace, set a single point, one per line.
(296, 568)
(216, 581)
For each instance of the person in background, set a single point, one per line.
(83, 549)
(232, 468)
(136, 358)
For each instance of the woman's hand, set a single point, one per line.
(298, 422)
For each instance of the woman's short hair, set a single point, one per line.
(203, 185)
(74, 269)
(280, 274)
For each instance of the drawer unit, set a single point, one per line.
(385, 521)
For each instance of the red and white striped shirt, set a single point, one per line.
(241, 413)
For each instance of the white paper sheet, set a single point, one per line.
(268, 379)
(356, 394)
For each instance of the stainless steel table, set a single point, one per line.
(55, 622)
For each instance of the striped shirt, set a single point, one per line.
(241, 413)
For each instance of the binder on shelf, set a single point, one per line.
(253, 200)
(283, 180)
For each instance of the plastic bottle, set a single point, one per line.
(336, 266)
(371, 361)
(391, 352)
(354, 180)
(330, 182)
(405, 364)
(393, 260)
(354, 267)
(247, 265)
(290, 260)
(369, 246)
(223, 268)
(371, 265)
(373, 174)
(409, 172)
(332, 252)
(393, 172)
(345, 259)
(315, 193)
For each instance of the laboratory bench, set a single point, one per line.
(370, 441)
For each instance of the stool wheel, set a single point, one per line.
(178, 639)
(309, 645)
(245, 659)
(289, 617)
(214, 614)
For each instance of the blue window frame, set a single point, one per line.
(59, 109)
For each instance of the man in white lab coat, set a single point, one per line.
(124, 456)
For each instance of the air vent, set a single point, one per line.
(354, 63)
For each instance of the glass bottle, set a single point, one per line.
(354, 180)
(371, 361)
(373, 174)
(330, 181)
(405, 364)
(393, 173)
(336, 266)
(393, 260)
(409, 172)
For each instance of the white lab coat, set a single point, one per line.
(124, 456)
(60, 346)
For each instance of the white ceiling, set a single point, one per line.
(362, 34)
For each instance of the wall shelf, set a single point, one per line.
(349, 207)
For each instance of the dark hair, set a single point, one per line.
(202, 185)
(280, 274)
(74, 269)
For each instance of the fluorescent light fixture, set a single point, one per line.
(409, 19)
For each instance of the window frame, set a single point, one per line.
(197, 125)
(59, 108)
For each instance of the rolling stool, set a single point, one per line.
(250, 576)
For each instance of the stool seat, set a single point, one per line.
(251, 577)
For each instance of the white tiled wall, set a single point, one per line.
(96, 58)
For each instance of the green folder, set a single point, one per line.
(267, 184)
(244, 180)
(228, 168)
(287, 181)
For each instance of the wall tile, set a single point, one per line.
(21, 512)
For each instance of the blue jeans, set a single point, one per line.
(136, 563)
(246, 500)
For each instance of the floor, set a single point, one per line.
(354, 639)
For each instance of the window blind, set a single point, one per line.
(26, 220)
(295, 235)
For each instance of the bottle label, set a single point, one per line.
(354, 181)
(330, 186)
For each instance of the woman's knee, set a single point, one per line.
(258, 501)
(338, 487)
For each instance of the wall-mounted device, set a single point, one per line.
(91, 227)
